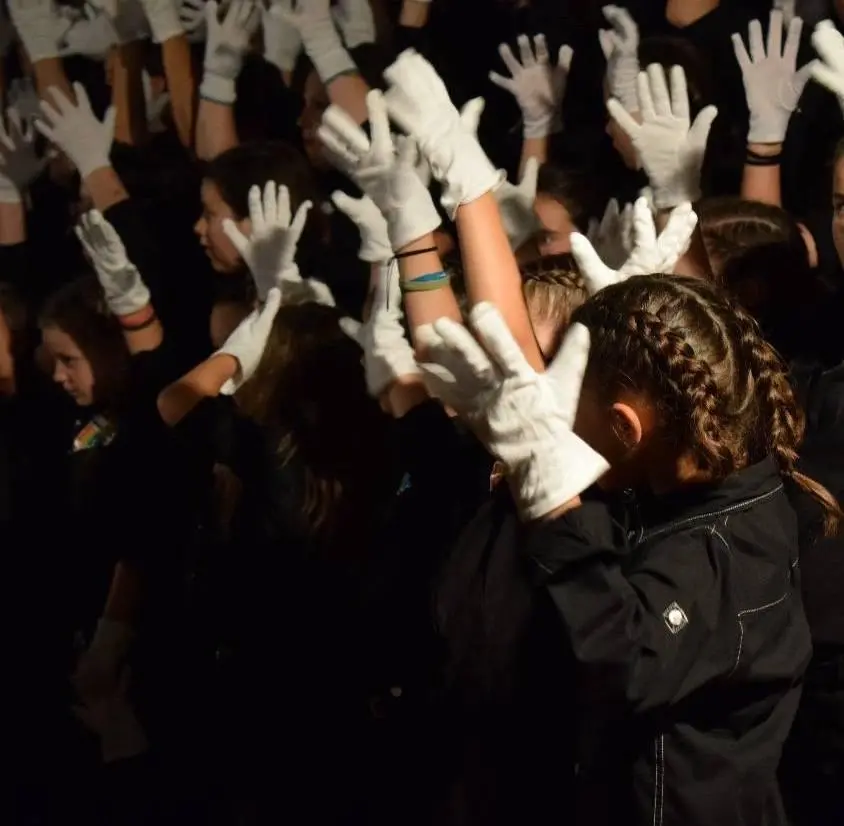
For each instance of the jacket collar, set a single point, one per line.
(762, 479)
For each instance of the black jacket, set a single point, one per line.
(691, 646)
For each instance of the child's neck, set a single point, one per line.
(682, 472)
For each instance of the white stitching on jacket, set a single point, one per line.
(741, 625)
(659, 778)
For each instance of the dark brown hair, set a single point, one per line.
(309, 391)
(79, 309)
(722, 390)
(757, 253)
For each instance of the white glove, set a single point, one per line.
(356, 22)
(282, 42)
(515, 203)
(226, 47)
(40, 27)
(387, 354)
(772, 84)
(671, 149)
(246, 344)
(320, 38)
(163, 17)
(612, 237)
(620, 46)
(98, 669)
(20, 164)
(787, 8)
(127, 19)
(525, 418)
(270, 252)
(375, 245)
(23, 97)
(419, 103)
(829, 70)
(125, 291)
(192, 18)
(156, 105)
(89, 36)
(650, 254)
(389, 179)
(76, 131)
(538, 86)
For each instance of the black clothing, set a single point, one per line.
(691, 646)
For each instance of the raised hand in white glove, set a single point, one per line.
(163, 17)
(670, 147)
(650, 254)
(620, 46)
(388, 178)
(192, 18)
(75, 130)
(282, 42)
(226, 47)
(419, 103)
(772, 83)
(40, 27)
(612, 236)
(20, 164)
(270, 251)
(525, 418)
(124, 289)
(356, 22)
(829, 70)
(246, 344)
(23, 97)
(538, 86)
(375, 246)
(89, 36)
(387, 354)
(315, 23)
(515, 203)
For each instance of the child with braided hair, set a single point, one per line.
(689, 631)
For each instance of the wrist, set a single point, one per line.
(217, 89)
(765, 150)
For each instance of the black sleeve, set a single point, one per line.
(621, 614)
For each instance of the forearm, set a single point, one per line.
(142, 331)
(491, 271)
(215, 129)
(127, 93)
(105, 188)
(762, 183)
(124, 594)
(425, 306)
(181, 85)
(50, 72)
(204, 381)
(533, 148)
(12, 224)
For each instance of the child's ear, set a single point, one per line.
(627, 425)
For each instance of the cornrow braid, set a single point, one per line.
(722, 391)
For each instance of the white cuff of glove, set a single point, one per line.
(466, 174)
(165, 24)
(218, 89)
(131, 300)
(327, 53)
(766, 130)
(547, 480)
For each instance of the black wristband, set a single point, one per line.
(399, 255)
(134, 328)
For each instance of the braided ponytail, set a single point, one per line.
(781, 421)
(722, 391)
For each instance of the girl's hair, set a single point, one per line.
(79, 309)
(237, 170)
(308, 365)
(583, 192)
(722, 390)
(553, 288)
(757, 253)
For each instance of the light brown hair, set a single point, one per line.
(723, 391)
